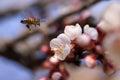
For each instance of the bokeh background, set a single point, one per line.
(22, 52)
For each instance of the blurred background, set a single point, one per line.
(22, 52)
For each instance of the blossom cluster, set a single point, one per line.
(75, 45)
(62, 45)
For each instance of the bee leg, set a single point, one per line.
(28, 27)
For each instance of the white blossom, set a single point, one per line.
(62, 44)
(60, 49)
(62, 52)
(92, 32)
(73, 31)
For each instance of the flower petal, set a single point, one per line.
(56, 43)
(64, 38)
(64, 53)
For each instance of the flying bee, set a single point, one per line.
(30, 21)
(33, 19)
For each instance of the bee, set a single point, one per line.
(30, 21)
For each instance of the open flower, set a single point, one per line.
(73, 31)
(62, 53)
(61, 49)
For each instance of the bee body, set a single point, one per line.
(30, 21)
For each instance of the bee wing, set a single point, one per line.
(31, 13)
(42, 20)
(35, 14)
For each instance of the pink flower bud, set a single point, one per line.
(53, 60)
(56, 76)
(90, 61)
(83, 40)
(44, 78)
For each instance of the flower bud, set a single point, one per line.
(53, 60)
(90, 61)
(44, 78)
(83, 40)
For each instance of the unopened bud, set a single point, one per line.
(90, 61)
(83, 40)
(56, 76)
